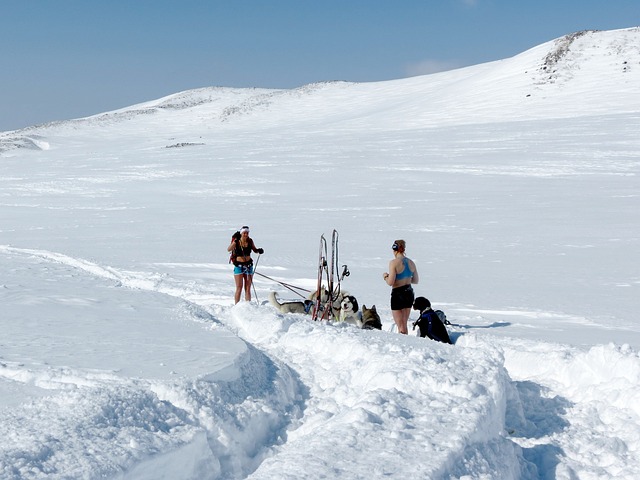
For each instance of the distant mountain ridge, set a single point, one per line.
(583, 73)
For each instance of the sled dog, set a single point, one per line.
(429, 324)
(324, 298)
(349, 311)
(290, 307)
(370, 318)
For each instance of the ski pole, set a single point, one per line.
(253, 284)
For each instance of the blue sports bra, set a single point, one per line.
(406, 273)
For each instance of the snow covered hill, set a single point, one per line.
(562, 78)
(516, 186)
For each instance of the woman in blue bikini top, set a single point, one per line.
(402, 274)
(406, 273)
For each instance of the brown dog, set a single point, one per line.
(370, 318)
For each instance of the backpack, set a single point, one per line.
(234, 252)
(442, 317)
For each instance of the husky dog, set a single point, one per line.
(290, 307)
(349, 311)
(370, 318)
(324, 299)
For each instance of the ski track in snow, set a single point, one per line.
(505, 410)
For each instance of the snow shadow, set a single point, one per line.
(532, 420)
(493, 325)
(455, 335)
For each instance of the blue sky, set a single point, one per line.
(72, 58)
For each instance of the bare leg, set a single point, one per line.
(400, 317)
(406, 313)
(238, 279)
(248, 281)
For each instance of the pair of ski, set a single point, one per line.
(326, 296)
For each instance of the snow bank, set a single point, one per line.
(387, 400)
(580, 407)
(97, 379)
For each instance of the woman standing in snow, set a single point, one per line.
(401, 275)
(241, 247)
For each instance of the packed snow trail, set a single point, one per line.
(489, 406)
(387, 399)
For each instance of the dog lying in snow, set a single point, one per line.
(345, 309)
(370, 318)
(367, 319)
(290, 306)
(306, 306)
(349, 312)
(324, 299)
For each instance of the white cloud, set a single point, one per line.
(426, 67)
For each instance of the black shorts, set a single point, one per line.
(402, 297)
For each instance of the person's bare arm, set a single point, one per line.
(390, 276)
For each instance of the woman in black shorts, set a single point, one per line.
(401, 275)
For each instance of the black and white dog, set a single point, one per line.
(349, 311)
(336, 303)
(429, 323)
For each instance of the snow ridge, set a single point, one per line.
(228, 425)
(470, 388)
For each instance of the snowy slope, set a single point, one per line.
(515, 184)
